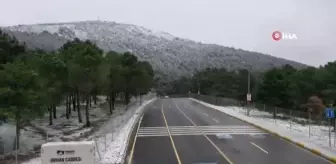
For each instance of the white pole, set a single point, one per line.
(16, 149)
(105, 141)
(290, 120)
(329, 132)
(335, 133)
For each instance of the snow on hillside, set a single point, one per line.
(77, 29)
(168, 54)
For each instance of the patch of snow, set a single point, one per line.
(62, 129)
(116, 150)
(28, 138)
(7, 131)
(163, 35)
(111, 139)
(318, 138)
(33, 161)
(78, 133)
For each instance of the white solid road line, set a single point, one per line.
(259, 147)
(215, 120)
(135, 139)
(205, 114)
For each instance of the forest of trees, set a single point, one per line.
(34, 82)
(284, 87)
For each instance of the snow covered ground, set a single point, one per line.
(39, 131)
(28, 138)
(312, 136)
(115, 151)
(112, 137)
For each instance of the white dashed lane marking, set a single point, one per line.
(215, 120)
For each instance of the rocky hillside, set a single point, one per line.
(169, 55)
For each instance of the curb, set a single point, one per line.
(139, 113)
(314, 151)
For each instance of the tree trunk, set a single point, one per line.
(111, 102)
(121, 96)
(17, 138)
(275, 113)
(74, 101)
(90, 101)
(88, 123)
(54, 110)
(69, 103)
(78, 107)
(95, 99)
(113, 97)
(83, 99)
(50, 116)
(67, 108)
(127, 97)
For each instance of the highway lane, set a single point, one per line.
(192, 137)
(155, 149)
(191, 148)
(262, 149)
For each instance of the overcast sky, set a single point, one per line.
(245, 24)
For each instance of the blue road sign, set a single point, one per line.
(330, 113)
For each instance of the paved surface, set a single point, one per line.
(175, 131)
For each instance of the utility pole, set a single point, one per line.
(248, 82)
(248, 96)
(198, 79)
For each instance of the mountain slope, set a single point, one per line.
(169, 55)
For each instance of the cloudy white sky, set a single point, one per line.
(245, 24)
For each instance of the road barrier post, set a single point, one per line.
(335, 133)
(105, 140)
(16, 149)
(275, 114)
(309, 128)
(329, 132)
(290, 120)
(97, 149)
(2, 150)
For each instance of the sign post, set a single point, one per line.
(330, 114)
(68, 152)
(248, 98)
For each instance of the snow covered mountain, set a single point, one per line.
(168, 54)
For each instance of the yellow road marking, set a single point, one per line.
(135, 138)
(171, 138)
(259, 147)
(307, 151)
(213, 144)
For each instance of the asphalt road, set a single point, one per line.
(176, 131)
